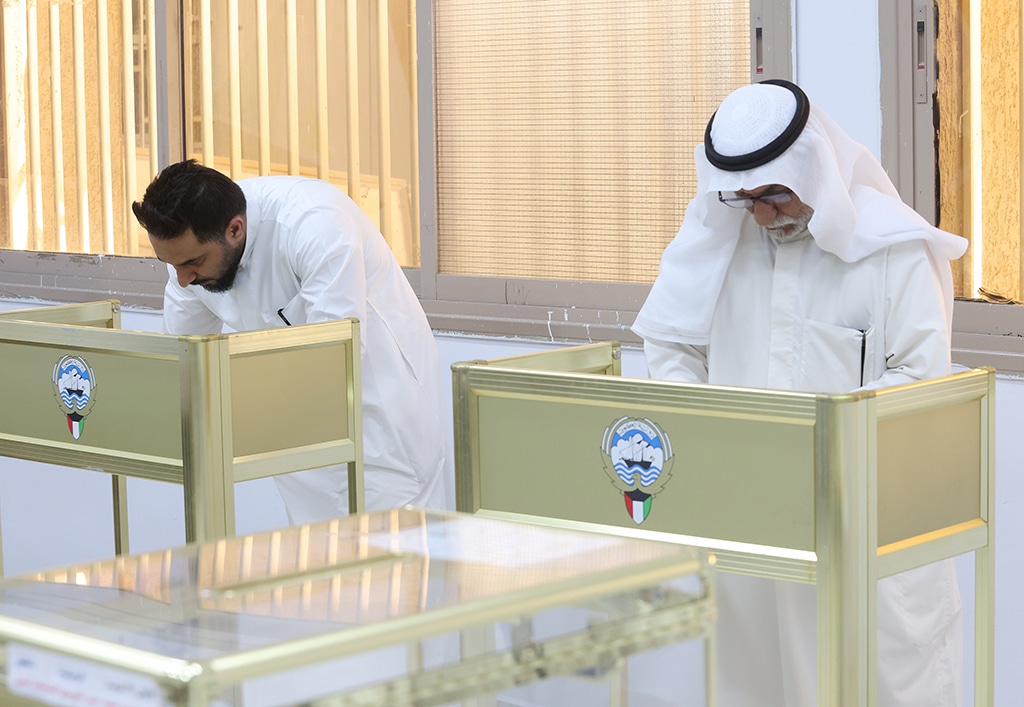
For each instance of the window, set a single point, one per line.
(565, 131)
(76, 81)
(312, 87)
(269, 87)
(948, 83)
(951, 140)
(535, 206)
(991, 201)
(564, 150)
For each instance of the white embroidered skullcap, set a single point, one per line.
(750, 118)
(755, 124)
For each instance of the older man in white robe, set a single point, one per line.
(797, 267)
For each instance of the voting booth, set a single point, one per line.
(366, 609)
(205, 412)
(833, 490)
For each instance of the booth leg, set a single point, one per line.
(847, 637)
(711, 639)
(207, 459)
(119, 494)
(209, 505)
(356, 488)
(711, 667)
(984, 625)
(477, 641)
(414, 657)
(618, 684)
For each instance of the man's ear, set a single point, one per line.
(235, 233)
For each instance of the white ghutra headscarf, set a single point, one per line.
(857, 210)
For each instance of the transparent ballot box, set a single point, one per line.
(205, 411)
(833, 490)
(395, 607)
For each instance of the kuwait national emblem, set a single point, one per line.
(638, 460)
(73, 386)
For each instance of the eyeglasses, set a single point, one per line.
(731, 198)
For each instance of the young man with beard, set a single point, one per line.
(797, 267)
(271, 252)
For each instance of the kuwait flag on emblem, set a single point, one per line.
(75, 424)
(638, 505)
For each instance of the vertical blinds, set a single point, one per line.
(565, 130)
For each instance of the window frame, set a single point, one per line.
(545, 310)
(984, 333)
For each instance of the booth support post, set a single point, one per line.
(846, 571)
(207, 456)
(118, 482)
(354, 390)
(119, 496)
(711, 637)
(985, 564)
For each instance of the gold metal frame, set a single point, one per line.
(821, 489)
(350, 586)
(202, 411)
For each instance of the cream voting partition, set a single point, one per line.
(105, 314)
(201, 411)
(834, 490)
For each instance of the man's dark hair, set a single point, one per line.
(188, 196)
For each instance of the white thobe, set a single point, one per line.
(312, 254)
(793, 317)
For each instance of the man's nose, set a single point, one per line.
(763, 211)
(186, 276)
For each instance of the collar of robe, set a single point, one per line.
(763, 155)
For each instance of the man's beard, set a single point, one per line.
(790, 228)
(226, 280)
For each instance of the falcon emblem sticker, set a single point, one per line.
(638, 460)
(73, 384)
